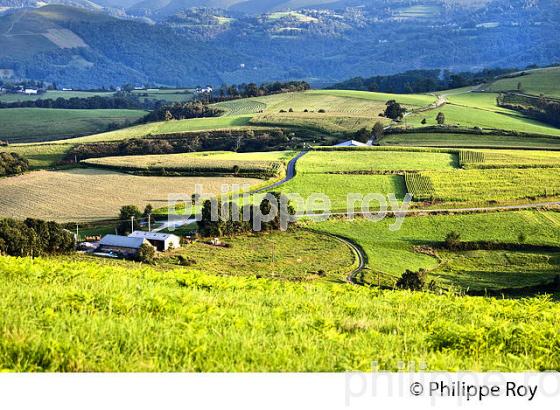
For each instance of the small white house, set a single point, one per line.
(30, 91)
(351, 143)
(161, 241)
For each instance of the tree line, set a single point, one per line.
(226, 92)
(123, 101)
(228, 140)
(420, 81)
(182, 111)
(34, 237)
(12, 164)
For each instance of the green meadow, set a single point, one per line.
(45, 124)
(66, 316)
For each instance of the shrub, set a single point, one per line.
(146, 254)
(412, 280)
(453, 240)
(521, 238)
(322, 111)
(186, 260)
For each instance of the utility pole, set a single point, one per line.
(132, 223)
(149, 222)
(77, 233)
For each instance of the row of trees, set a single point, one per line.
(229, 140)
(12, 164)
(182, 111)
(239, 219)
(253, 90)
(124, 101)
(34, 237)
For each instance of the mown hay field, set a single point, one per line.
(89, 194)
(96, 317)
(258, 165)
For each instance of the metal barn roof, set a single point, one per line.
(122, 241)
(153, 236)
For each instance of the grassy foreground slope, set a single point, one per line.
(89, 317)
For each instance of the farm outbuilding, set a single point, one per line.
(351, 143)
(121, 245)
(161, 241)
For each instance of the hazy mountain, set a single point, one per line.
(84, 48)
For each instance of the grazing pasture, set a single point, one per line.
(41, 155)
(338, 186)
(102, 316)
(45, 124)
(392, 252)
(469, 117)
(89, 194)
(294, 255)
(541, 81)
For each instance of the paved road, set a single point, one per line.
(290, 174)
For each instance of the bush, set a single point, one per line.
(12, 164)
(453, 240)
(146, 254)
(412, 280)
(322, 111)
(185, 260)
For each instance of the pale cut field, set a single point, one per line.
(89, 194)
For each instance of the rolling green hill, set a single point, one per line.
(541, 81)
(44, 124)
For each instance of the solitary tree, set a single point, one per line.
(146, 254)
(394, 110)
(440, 118)
(412, 280)
(125, 217)
(378, 130)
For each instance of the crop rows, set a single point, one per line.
(419, 186)
(467, 158)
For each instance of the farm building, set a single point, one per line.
(121, 245)
(351, 143)
(161, 241)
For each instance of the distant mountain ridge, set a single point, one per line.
(77, 47)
